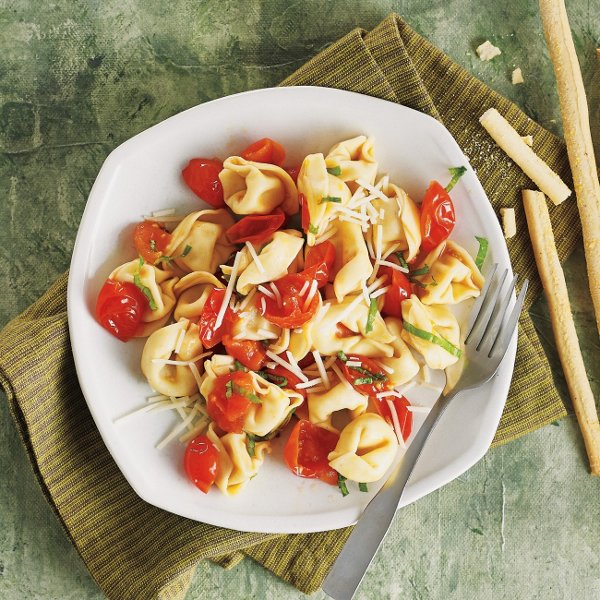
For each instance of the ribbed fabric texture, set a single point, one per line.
(134, 550)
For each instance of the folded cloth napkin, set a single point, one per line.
(134, 550)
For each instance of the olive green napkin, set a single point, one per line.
(134, 550)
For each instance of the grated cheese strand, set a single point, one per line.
(311, 295)
(196, 374)
(277, 294)
(177, 429)
(396, 423)
(267, 335)
(255, 258)
(378, 193)
(266, 292)
(387, 263)
(380, 291)
(353, 363)
(419, 409)
(228, 291)
(246, 301)
(321, 368)
(308, 384)
(341, 377)
(328, 234)
(293, 369)
(263, 306)
(304, 288)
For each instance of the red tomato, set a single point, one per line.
(229, 403)
(200, 462)
(306, 452)
(150, 240)
(292, 380)
(293, 172)
(265, 150)
(343, 332)
(292, 313)
(401, 290)
(202, 177)
(305, 215)
(369, 369)
(319, 262)
(209, 336)
(405, 417)
(250, 353)
(120, 307)
(437, 216)
(255, 228)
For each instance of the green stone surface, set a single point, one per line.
(78, 78)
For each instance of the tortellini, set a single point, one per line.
(366, 449)
(322, 405)
(432, 319)
(401, 224)
(326, 338)
(403, 363)
(453, 275)
(159, 284)
(250, 325)
(257, 188)
(316, 184)
(170, 380)
(192, 292)
(235, 467)
(199, 243)
(275, 258)
(356, 159)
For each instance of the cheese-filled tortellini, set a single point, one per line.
(323, 193)
(352, 264)
(158, 285)
(403, 363)
(199, 243)
(235, 467)
(322, 405)
(192, 292)
(275, 259)
(453, 275)
(366, 449)
(401, 224)
(436, 320)
(355, 158)
(170, 380)
(253, 188)
(250, 325)
(271, 411)
(325, 334)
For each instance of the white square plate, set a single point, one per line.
(143, 175)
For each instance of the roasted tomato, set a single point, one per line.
(437, 216)
(150, 240)
(230, 400)
(400, 290)
(201, 461)
(255, 228)
(368, 378)
(120, 307)
(319, 262)
(210, 335)
(405, 416)
(307, 449)
(265, 150)
(202, 177)
(250, 353)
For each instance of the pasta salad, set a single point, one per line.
(299, 304)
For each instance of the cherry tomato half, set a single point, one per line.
(150, 240)
(278, 374)
(293, 172)
(405, 416)
(265, 150)
(374, 379)
(307, 449)
(209, 335)
(120, 307)
(200, 462)
(255, 228)
(292, 312)
(202, 177)
(228, 403)
(400, 290)
(250, 353)
(319, 262)
(437, 216)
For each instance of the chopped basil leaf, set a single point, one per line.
(335, 199)
(229, 389)
(401, 260)
(334, 170)
(433, 282)
(238, 366)
(186, 250)
(137, 280)
(482, 252)
(153, 245)
(164, 258)
(250, 444)
(242, 392)
(457, 173)
(342, 356)
(422, 271)
(276, 379)
(342, 485)
(363, 380)
(431, 337)
(371, 316)
(314, 230)
(141, 262)
(367, 373)
(363, 487)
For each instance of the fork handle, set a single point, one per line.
(368, 533)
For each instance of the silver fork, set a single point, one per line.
(489, 334)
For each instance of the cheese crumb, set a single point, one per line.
(508, 222)
(487, 51)
(517, 76)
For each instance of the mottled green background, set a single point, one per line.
(78, 78)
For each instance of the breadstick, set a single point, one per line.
(576, 124)
(553, 280)
(533, 166)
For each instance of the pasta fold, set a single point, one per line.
(192, 291)
(356, 159)
(322, 405)
(403, 362)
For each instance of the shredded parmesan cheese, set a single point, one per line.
(328, 234)
(380, 291)
(378, 242)
(396, 423)
(246, 301)
(321, 368)
(387, 263)
(255, 258)
(196, 374)
(267, 335)
(309, 384)
(311, 295)
(341, 377)
(304, 288)
(277, 294)
(228, 291)
(266, 292)
(177, 429)
(353, 363)
(293, 369)
(419, 409)
(263, 306)
(377, 193)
